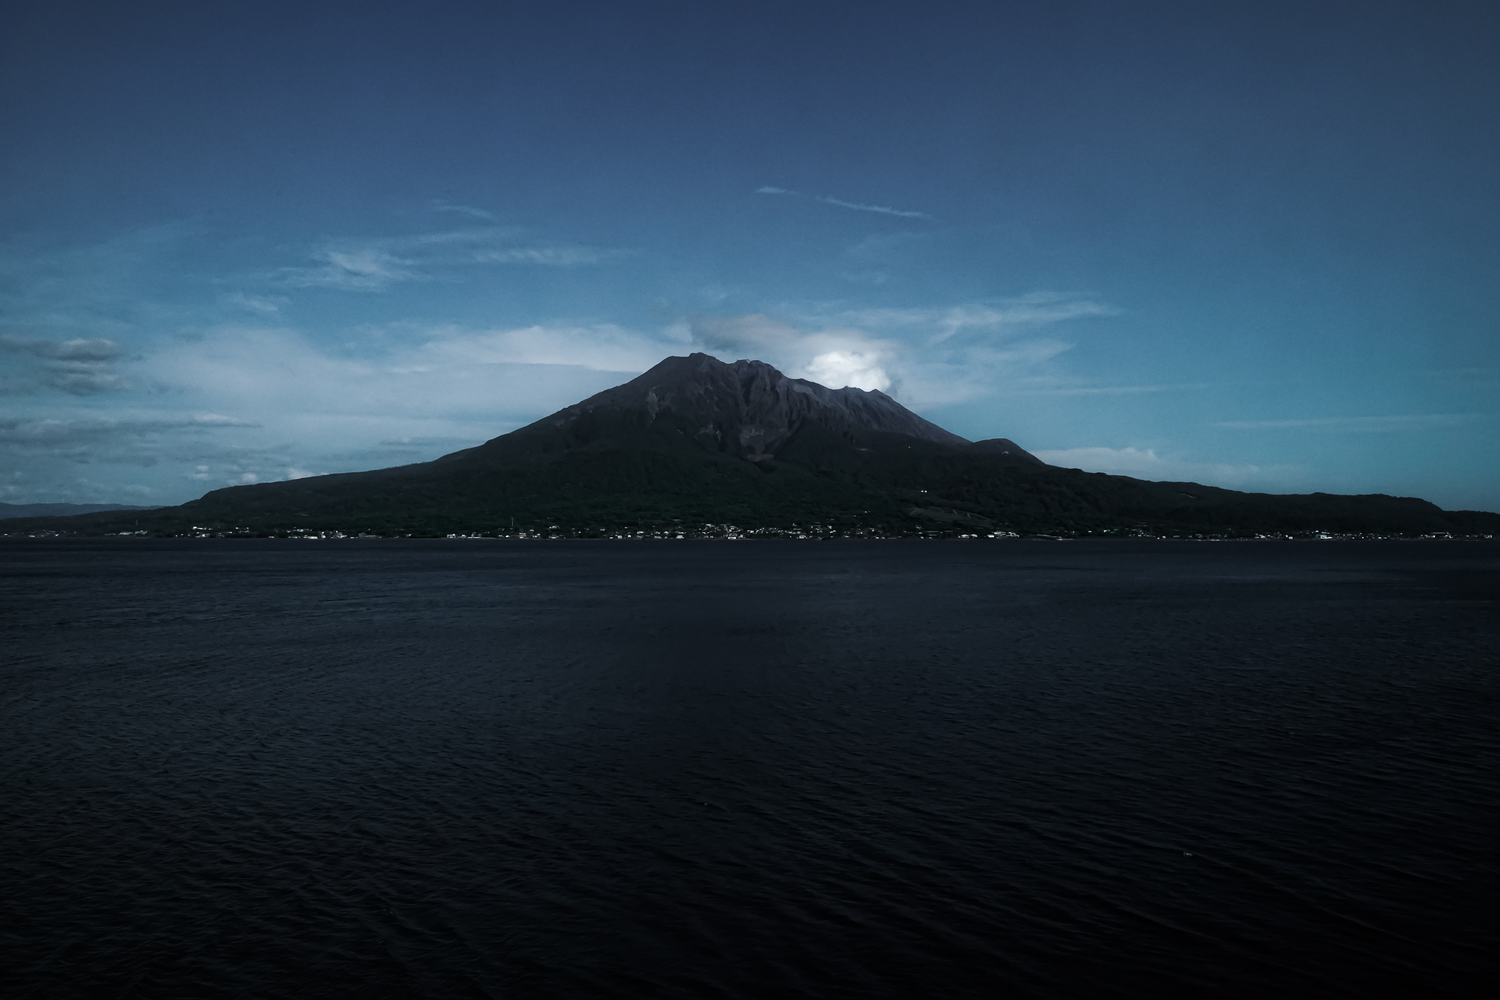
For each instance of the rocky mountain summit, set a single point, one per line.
(746, 409)
(752, 408)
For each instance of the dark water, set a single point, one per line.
(878, 769)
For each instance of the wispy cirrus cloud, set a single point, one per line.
(356, 269)
(880, 209)
(545, 256)
(942, 323)
(438, 205)
(856, 206)
(373, 264)
(266, 305)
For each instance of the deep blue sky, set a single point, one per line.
(1247, 244)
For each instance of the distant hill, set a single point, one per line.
(61, 509)
(696, 441)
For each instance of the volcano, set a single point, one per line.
(746, 410)
(698, 442)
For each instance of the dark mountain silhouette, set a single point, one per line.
(745, 410)
(62, 509)
(695, 441)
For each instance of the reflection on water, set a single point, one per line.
(705, 769)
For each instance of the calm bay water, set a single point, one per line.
(697, 769)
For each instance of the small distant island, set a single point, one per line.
(700, 448)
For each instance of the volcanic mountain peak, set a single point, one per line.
(695, 441)
(747, 408)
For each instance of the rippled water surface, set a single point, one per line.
(865, 769)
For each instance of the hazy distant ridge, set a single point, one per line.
(62, 509)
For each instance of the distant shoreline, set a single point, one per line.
(749, 536)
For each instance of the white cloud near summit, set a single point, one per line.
(836, 357)
(926, 357)
(851, 367)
